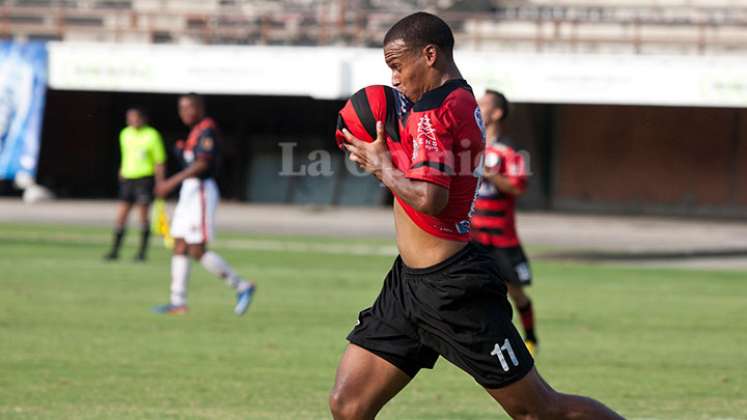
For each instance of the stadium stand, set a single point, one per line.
(661, 26)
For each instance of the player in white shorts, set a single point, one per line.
(192, 225)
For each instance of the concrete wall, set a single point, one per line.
(650, 159)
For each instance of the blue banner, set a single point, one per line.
(23, 85)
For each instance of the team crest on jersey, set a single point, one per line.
(480, 122)
(207, 143)
(426, 135)
(492, 159)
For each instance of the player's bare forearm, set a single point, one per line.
(196, 168)
(504, 184)
(374, 157)
(165, 187)
(160, 172)
(422, 196)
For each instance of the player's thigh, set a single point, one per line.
(529, 396)
(123, 208)
(180, 246)
(364, 383)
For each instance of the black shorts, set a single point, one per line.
(457, 309)
(137, 190)
(513, 265)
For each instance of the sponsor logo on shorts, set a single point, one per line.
(522, 271)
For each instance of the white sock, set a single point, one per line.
(220, 268)
(179, 279)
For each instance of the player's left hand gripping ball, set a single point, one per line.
(372, 157)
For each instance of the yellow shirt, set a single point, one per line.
(142, 149)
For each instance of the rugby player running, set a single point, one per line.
(442, 296)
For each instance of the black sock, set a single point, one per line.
(118, 236)
(144, 237)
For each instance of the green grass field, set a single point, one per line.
(78, 340)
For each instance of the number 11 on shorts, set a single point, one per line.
(498, 351)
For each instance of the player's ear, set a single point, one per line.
(497, 114)
(430, 53)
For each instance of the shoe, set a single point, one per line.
(243, 299)
(139, 258)
(169, 309)
(532, 346)
(111, 256)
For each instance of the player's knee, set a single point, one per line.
(345, 405)
(196, 252)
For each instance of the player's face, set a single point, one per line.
(486, 108)
(135, 119)
(490, 112)
(189, 111)
(409, 69)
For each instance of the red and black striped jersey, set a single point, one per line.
(203, 142)
(494, 219)
(442, 142)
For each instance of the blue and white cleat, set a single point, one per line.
(169, 309)
(243, 299)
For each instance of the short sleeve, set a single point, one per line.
(432, 155)
(122, 134)
(206, 145)
(515, 169)
(157, 149)
(122, 148)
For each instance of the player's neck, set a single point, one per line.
(451, 72)
(197, 121)
(493, 132)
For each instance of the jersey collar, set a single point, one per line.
(435, 97)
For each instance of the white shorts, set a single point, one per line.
(195, 212)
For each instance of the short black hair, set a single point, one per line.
(196, 98)
(140, 110)
(420, 29)
(500, 101)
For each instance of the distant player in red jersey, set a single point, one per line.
(494, 219)
(443, 295)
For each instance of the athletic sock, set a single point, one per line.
(144, 237)
(119, 234)
(527, 321)
(220, 268)
(180, 267)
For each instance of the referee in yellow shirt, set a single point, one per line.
(143, 158)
